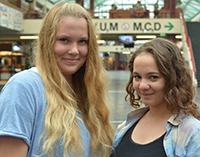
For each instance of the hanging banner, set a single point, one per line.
(3, 15)
(11, 17)
(18, 20)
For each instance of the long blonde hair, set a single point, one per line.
(90, 90)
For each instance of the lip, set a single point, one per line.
(145, 95)
(71, 61)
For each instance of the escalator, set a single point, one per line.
(194, 34)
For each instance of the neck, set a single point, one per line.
(159, 112)
(70, 82)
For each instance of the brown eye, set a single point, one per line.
(136, 77)
(154, 77)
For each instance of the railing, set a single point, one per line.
(189, 45)
(120, 13)
(142, 13)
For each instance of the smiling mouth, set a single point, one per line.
(146, 95)
(72, 61)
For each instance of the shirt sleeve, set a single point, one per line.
(17, 108)
(193, 146)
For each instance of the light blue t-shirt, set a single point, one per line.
(22, 109)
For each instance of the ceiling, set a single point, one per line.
(101, 7)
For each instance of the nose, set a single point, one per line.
(73, 50)
(144, 84)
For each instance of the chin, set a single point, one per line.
(146, 103)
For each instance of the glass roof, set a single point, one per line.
(101, 7)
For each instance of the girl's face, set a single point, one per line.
(71, 45)
(148, 81)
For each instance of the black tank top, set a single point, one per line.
(128, 148)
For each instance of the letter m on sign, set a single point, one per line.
(137, 27)
(115, 27)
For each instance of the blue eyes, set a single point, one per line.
(66, 40)
(83, 41)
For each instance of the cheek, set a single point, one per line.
(59, 49)
(161, 85)
(84, 51)
(135, 85)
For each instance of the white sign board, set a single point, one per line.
(138, 26)
(10, 18)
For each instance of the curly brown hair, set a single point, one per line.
(179, 89)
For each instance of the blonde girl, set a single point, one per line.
(59, 108)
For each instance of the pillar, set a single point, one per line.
(166, 4)
(92, 5)
(19, 3)
(171, 37)
(171, 6)
(116, 60)
(81, 2)
(32, 5)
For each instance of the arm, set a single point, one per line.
(193, 147)
(13, 147)
(17, 115)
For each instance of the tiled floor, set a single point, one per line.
(117, 86)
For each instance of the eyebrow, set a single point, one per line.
(65, 36)
(85, 37)
(150, 73)
(62, 36)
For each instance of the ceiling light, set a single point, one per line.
(100, 41)
(145, 36)
(141, 41)
(28, 37)
(178, 36)
(16, 48)
(126, 52)
(5, 52)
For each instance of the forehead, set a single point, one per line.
(71, 19)
(69, 24)
(144, 54)
(145, 60)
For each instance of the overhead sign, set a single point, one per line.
(18, 20)
(10, 18)
(135, 26)
(118, 48)
(121, 26)
(3, 15)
